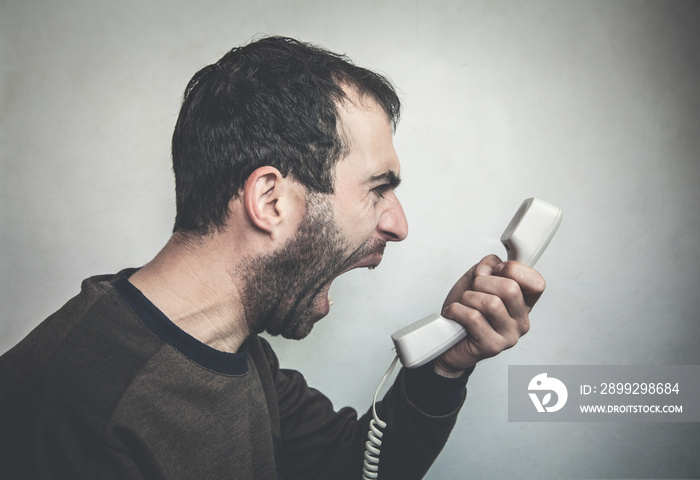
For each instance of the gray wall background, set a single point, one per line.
(591, 105)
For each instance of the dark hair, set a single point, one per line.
(271, 102)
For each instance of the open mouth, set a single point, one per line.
(370, 254)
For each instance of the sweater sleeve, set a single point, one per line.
(318, 442)
(433, 394)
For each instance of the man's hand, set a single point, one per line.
(492, 301)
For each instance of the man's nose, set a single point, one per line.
(393, 224)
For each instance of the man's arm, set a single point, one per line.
(316, 441)
(492, 300)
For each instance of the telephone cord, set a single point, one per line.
(374, 435)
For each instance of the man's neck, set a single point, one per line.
(190, 284)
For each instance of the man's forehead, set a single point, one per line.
(367, 132)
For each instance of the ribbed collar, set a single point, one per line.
(161, 326)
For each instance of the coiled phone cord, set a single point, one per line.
(375, 433)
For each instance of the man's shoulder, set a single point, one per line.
(70, 373)
(79, 337)
(60, 323)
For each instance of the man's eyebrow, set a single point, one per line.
(389, 178)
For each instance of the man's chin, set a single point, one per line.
(299, 330)
(300, 326)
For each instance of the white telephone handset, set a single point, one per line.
(527, 235)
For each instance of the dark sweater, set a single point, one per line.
(108, 387)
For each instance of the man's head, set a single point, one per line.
(272, 102)
(283, 154)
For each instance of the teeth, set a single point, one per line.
(330, 301)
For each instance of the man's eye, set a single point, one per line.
(381, 190)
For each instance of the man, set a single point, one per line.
(285, 179)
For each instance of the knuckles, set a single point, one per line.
(481, 304)
(496, 345)
(450, 311)
(510, 341)
(540, 285)
(462, 313)
(505, 342)
(493, 304)
(532, 281)
(510, 288)
(524, 326)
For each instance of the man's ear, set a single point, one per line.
(262, 194)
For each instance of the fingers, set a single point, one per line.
(487, 265)
(493, 301)
(505, 291)
(483, 340)
(484, 267)
(491, 326)
(530, 282)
